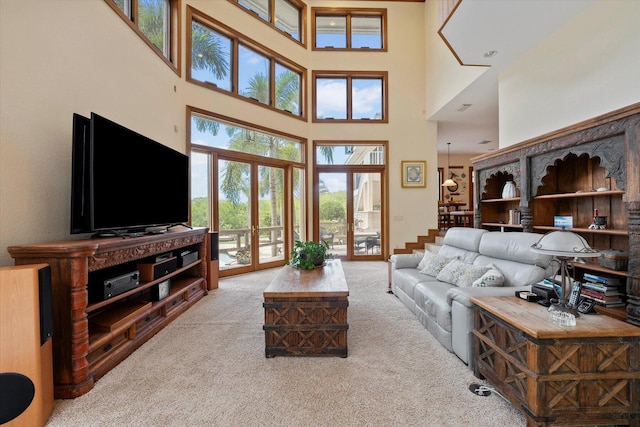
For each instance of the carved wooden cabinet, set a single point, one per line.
(91, 337)
(587, 374)
(574, 172)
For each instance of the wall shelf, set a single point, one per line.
(555, 175)
(583, 194)
(497, 224)
(612, 232)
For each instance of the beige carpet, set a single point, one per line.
(208, 369)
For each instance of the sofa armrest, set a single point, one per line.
(406, 260)
(464, 294)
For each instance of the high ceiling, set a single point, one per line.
(511, 28)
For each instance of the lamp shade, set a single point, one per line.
(565, 244)
(449, 183)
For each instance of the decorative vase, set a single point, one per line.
(509, 190)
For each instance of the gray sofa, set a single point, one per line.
(445, 309)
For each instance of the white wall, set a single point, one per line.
(410, 136)
(587, 68)
(58, 58)
(445, 78)
(67, 56)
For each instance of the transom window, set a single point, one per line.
(285, 16)
(223, 60)
(349, 29)
(336, 153)
(350, 96)
(215, 131)
(156, 22)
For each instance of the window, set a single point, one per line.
(157, 23)
(350, 96)
(349, 29)
(284, 15)
(209, 130)
(223, 60)
(288, 89)
(253, 75)
(360, 153)
(211, 56)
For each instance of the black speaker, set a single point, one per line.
(46, 305)
(213, 246)
(214, 265)
(16, 394)
(26, 329)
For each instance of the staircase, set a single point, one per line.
(433, 238)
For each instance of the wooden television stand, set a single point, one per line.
(90, 338)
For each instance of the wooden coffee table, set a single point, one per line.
(305, 312)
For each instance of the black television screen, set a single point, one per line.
(134, 182)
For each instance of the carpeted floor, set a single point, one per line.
(208, 368)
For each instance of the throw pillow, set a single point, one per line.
(434, 263)
(459, 273)
(493, 277)
(427, 256)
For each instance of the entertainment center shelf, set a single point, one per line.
(90, 338)
(584, 230)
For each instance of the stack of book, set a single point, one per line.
(602, 290)
(514, 216)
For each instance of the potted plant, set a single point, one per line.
(309, 255)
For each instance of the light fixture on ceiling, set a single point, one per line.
(490, 53)
(463, 107)
(449, 182)
(484, 141)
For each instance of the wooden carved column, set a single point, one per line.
(633, 280)
(632, 142)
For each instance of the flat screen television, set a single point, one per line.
(123, 181)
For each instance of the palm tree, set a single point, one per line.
(151, 16)
(208, 54)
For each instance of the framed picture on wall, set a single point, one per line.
(414, 173)
(458, 175)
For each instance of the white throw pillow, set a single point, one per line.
(461, 274)
(434, 263)
(427, 256)
(493, 277)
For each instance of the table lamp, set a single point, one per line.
(564, 246)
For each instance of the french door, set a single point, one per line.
(251, 215)
(348, 213)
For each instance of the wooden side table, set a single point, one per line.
(587, 374)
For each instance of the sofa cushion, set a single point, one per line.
(493, 277)
(425, 259)
(431, 298)
(515, 273)
(434, 264)
(406, 280)
(406, 260)
(459, 273)
(513, 246)
(464, 238)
